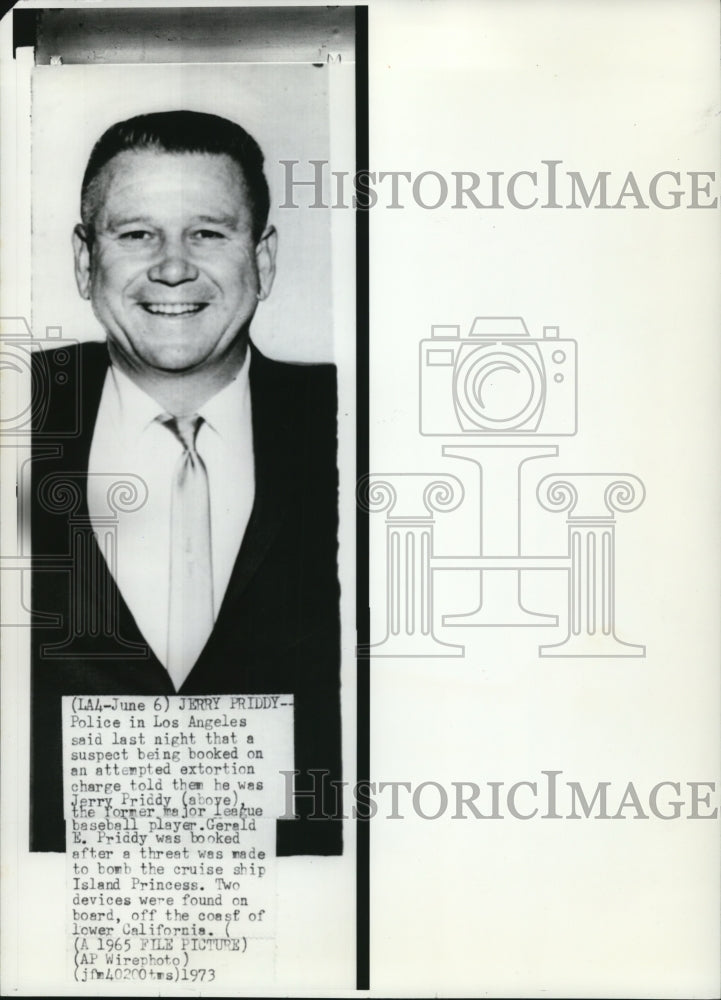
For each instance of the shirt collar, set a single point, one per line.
(136, 410)
(226, 411)
(223, 413)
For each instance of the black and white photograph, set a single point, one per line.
(223, 559)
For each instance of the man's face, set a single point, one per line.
(173, 272)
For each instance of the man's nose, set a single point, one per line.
(173, 266)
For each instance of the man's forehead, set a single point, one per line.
(139, 174)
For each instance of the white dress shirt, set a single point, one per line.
(129, 439)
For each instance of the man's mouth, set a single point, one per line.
(173, 308)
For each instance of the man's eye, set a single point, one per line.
(136, 235)
(208, 234)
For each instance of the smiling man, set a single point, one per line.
(221, 577)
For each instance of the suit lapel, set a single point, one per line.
(274, 453)
(92, 370)
(125, 650)
(145, 664)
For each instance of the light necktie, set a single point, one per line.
(190, 612)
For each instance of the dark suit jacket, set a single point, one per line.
(278, 628)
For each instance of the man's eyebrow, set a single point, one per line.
(116, 221)
(231, 221)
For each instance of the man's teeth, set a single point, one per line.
(173, 309)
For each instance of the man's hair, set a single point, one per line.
(180, 132)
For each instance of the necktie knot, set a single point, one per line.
(185, 429)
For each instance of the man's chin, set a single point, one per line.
(175, 363)
(175, 356)
(163, 358)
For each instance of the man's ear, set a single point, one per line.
(81, 250)
(265, 253)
